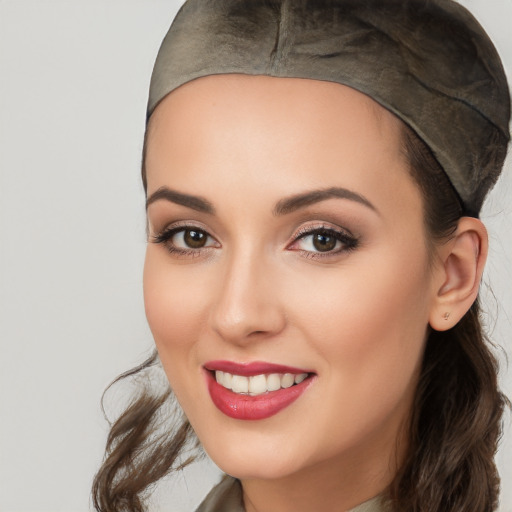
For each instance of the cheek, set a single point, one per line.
(362, 305)
(174, 309)
(172, 301)
(369, 322)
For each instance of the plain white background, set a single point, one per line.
(73, 89)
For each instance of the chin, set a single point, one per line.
(257, 468)
(252, 455)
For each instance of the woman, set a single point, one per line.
(314, 172)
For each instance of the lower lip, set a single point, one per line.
(246, 407)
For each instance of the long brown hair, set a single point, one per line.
(456, 417)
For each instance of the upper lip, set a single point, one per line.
(252, 368)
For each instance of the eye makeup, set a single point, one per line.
(185, 239)
(313, 241)
(323, 241)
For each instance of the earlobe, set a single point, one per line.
(460, 271)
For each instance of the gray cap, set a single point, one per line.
(427, 61)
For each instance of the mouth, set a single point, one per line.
(254, 391)
(258, 384)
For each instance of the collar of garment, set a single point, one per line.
(227, 497)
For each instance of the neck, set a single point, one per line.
(338, 484)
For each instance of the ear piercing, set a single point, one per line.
(446, 315)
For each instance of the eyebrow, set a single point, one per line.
(282, 207)
(195, 202)
(293, 203)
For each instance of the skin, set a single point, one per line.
(358, 317)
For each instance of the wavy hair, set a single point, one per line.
(455, 421)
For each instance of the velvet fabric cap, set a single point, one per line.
(427, 61)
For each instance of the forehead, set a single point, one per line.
(288, 96)
(284, 133)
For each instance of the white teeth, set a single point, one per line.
(287, 380)
(240, 384)
(227, 380)
(299, 378)
(258, 384)
(273, 382)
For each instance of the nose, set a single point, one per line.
(247, 306)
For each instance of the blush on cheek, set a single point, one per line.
(169, 303)
(167, 319)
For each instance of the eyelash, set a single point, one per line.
(166, 235)
(348, 241)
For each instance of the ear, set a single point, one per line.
(458, 273)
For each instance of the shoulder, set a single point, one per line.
(227, 497)
(224, 497)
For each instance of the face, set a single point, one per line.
(285, 237)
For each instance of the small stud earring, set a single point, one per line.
(446, 315)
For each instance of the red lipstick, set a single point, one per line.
(244, 406)
(251, 369)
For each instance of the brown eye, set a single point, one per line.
(323, 242)
(185, 240)
(194, 238)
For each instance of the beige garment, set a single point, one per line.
(227, 497)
